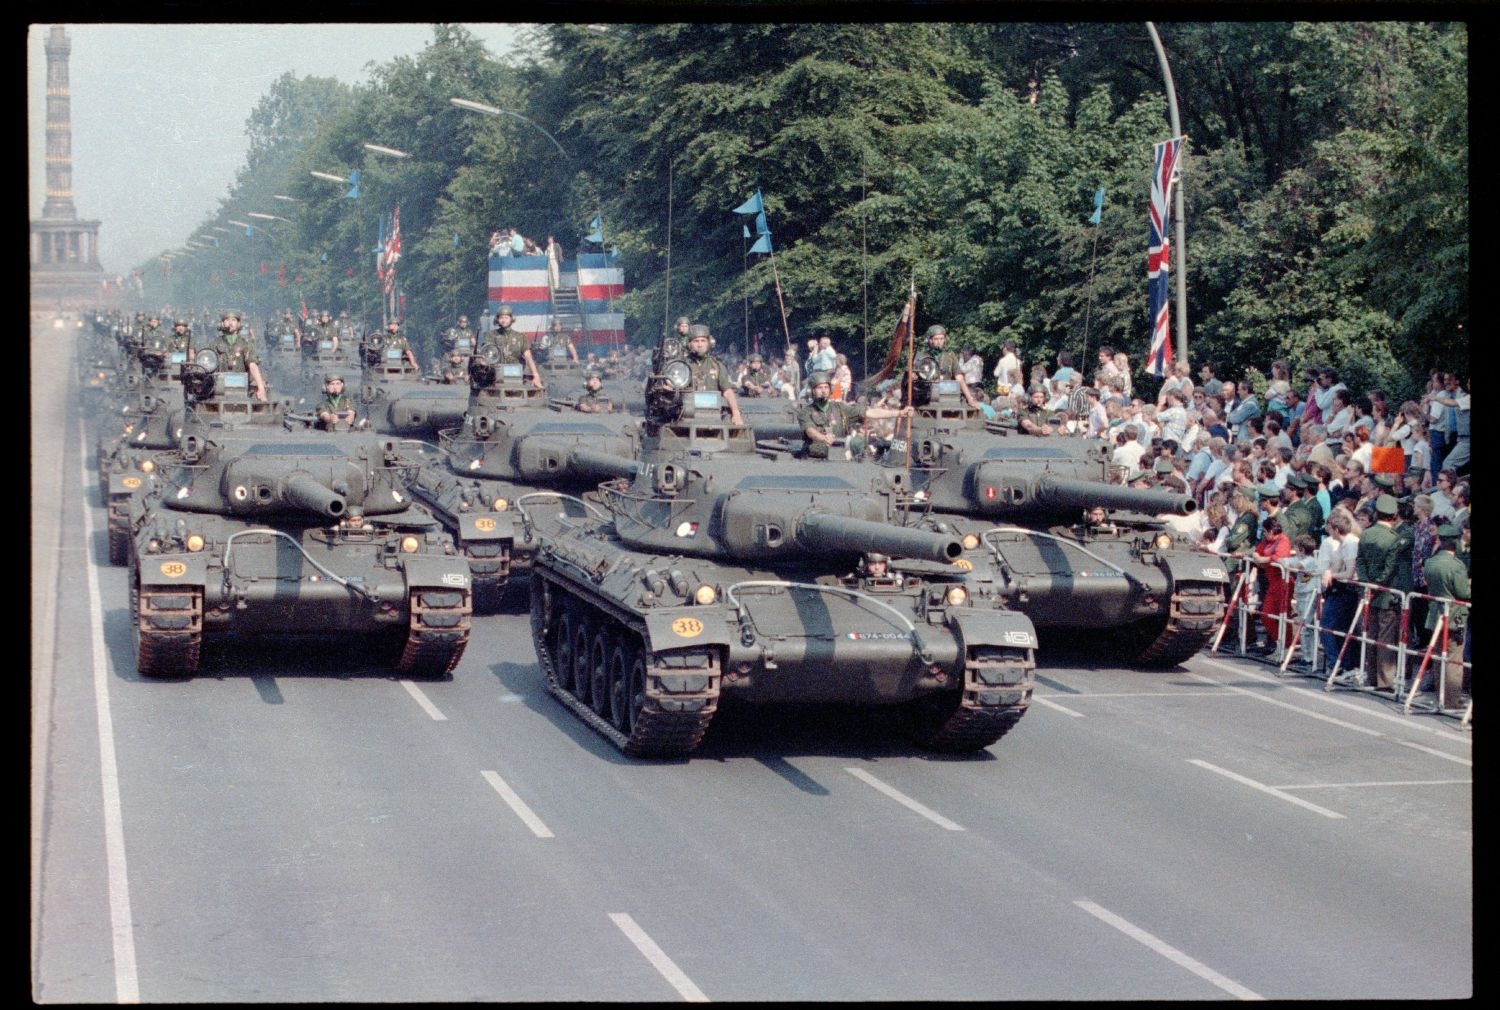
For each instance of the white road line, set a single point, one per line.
(1269, 790)
(1168, 951)
(1146, 694)
(509, 699)
(1056, 707)
(903, 799)
(658, 958)
(1466, 762)
(1362, 785)
(127, 982)
(518, 805)
(1342, 723)
(422, 699)
(1322, 696)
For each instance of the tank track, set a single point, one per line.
(117, 512)
(651, 705)
(168, 626)
(438, 624)
(490, 573)
(996, 693)
(1193, 614)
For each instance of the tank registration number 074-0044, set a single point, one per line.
(687, 627)
(172, 569)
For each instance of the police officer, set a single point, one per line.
(1242, 535)
(336, 406)
(708, 371)
(1384, 558)
(592, 400)
(514, 347)
(395, 338)
(1448, 579)
(236, 354)
(823, 420)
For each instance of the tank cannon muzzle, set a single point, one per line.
(591, 463)
(1062, 493)
(827, 533)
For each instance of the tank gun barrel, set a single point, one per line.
(592, 463)
(824, 532)
(308, 494)
(1061, 492)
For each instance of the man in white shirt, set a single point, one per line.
(1008, 370)
(1172, 418)
(1128, 449)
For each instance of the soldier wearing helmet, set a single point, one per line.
(336, 406)
(181, 338)
(708, 371)
(683, 325)
(593, 400)
(756, 381)
(395, 338)
(513, 345)
(874, 566)
(824, 421)
(948, 367)
(457, 333)
(237, 354)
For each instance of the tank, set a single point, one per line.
(1018, 501)
(398, 399)
(712, 573)
(514, 442)
(252, 532)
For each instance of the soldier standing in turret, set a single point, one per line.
(514, 347)
(456, 333)
(823, 420)
(335, 406)
(395, 338)
(181, 339)
(237, 355)
(948, 368)
(709, 372)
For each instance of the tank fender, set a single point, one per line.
(680, 629)
(437, 573)
(993, 627)
(174, 569)
(127, 483)
(1194, 566)
(487, 525)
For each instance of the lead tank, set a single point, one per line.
(253, 531)
(1019, 502)
(514, 443)
(713, 573)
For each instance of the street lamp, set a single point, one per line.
(381, 149)
(282, 196)
(264, 217)
(490, 110)
(242, 224)
(324, 175)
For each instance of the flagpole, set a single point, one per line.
(911, 353)
(864, 259)
(1179, 229)
(666, 308)
(1089, 307)
(776, 276)
(745, 269)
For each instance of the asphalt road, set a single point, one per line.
(298, 825)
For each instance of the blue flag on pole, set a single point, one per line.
(323, 258)
(353, 193)
(597, 235)
(762, 244)
(761, 228)
(249, 229)
(1098, 206)
(754, 205)
(744, 231)
(455, 240)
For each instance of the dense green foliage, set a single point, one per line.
(1325, 179)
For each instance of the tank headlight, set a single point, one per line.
(147, 466)
(678, 374)
(704, 595)
(500, 505)
(971, 541)
(1163, 541)
(195, 542)
(956, 596)
(409, 545)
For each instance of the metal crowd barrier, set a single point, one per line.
(1359, 649)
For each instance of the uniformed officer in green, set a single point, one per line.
(1384, 559)
(456, 370)
(1034, 418)
(948, 368)
(1295, 518)
(1448, 579)
(181, 338)
(756, 381)
(323, 329)
(592, 400)
(237, 355)
(514, 347)
(336, 406)
(455, 334)
(1242, 535)
(395, 338)
(709, 372)
(824, 420)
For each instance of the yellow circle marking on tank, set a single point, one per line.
(965, 564)
(687, 627)
(172, 569)
(484, 524)
(131, 482)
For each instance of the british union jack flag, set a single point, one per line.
(1159, 256)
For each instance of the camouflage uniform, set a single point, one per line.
(831, 417)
